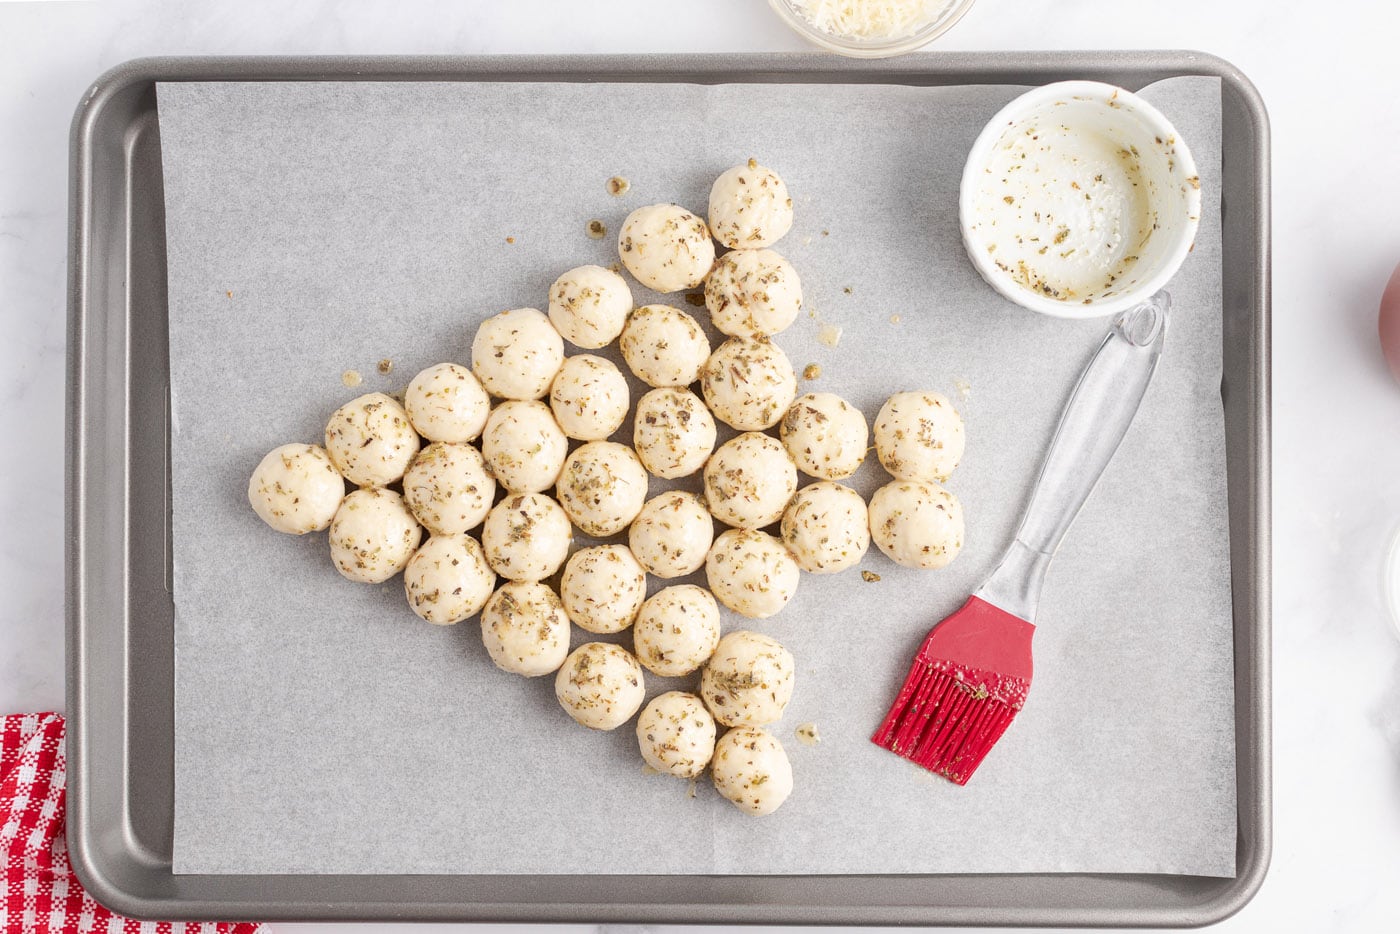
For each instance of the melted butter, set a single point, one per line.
(351, 378)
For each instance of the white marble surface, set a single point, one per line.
(1328, 78)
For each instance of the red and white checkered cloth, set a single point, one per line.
(41, 895)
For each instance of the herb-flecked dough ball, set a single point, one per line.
(826, 527)
(676, 734)
(296, 489)
(748, 384)
(919, 436)
(666, 247)
(448, 579)
(664, 346)
(673, 433)
(600, 685)
(672, 534)
(825, 435)
(602, 487)
(748, 680)
(526, 537)
(750, 207)
(370, 440)
(751, 769)
(448, 487)
(524, 446)
(751, 572)
(916, 523)
(749, 480)
(753, 293)
(525, 629)
(589, 305)
(373, 535)
(603, 587)
(589, 397)
(516, 353)
(677, 630)
(447, 403)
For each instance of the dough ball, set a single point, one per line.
(589, 397)
(673, 433)
(589, 306)
(676, 734)
(664, 346)
(672, 534)
(666, 247)
(449, 488)
(525, 629)
(516, 353)
(916, 523)
(751, 572)
(748, 680)
(677, 630)
(296, 489)
(753, 293)
(600, 685)
(526, 537)
(603, 587)
(370, 440)
(446, 403)
(373, 535)
(602, 487)
(749, 480)
(750, 207)
(448, 579)
(825, 435)
(751, 769)
(919, 436)
(748, 384)
(826, 527)
(524, 446)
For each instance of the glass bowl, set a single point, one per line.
(952, 11)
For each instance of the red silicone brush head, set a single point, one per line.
(967, 683)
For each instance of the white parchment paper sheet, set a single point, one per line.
(321, 728)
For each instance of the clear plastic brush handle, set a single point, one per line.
(1092, 426)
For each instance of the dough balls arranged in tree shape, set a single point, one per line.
(919, 436)
(672, 534)
(676, 734)
(673, 432)
(525, 629)
(749, 481)
(750, 207)
(664, 346)
(370, 440)
(526, 537)
(524, 446)
(677, 630)
(600, 685)
(602, 487)
(751, 572)
(516, 353)
(448, 579)
(296, 489)
(373, 535)
(826, 436)
(753, 293)
(748, 384)
(751, 769)
(448, 487)
(748, 680)
(826, 527)
(665, 247)
(588, 306)
(603, 587)
(916, 523)
(446, 403)
(589, 397)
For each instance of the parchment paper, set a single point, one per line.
(322, 728)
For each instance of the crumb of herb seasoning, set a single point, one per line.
(597, 229)
(826, 233)
(807, 734)
(870, 577)
(510, 239)
(351, 378)
(617, 185)
(811, 371)
(229, 294)
(697, 299)
(848, 290)
(386, 366)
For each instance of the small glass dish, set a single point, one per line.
(855, 47)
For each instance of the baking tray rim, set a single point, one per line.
(974, 67)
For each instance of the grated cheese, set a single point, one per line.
(870, 19)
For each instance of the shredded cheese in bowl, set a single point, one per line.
(871, 19)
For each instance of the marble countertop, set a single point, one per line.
(1329, 85)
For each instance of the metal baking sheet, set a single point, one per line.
(135, 472)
